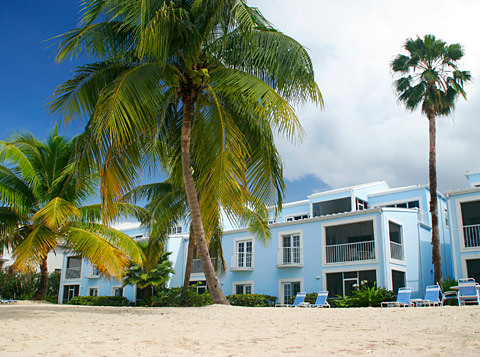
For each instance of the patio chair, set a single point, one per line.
(298, 302)
(432, 297)
(468, 293)
(321, 300)
(403, 299)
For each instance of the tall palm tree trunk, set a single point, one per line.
(41, 292)
(188, 266)
(432, 173)
(192, 198)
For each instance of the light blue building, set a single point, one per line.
(330, 241)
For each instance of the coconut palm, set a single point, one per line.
(41, 192)
(221, 64)
(429, 77)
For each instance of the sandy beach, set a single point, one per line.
(60, 330)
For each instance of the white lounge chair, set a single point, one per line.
(403, 299)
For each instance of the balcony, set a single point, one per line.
(350, 252)
(397, 251)
(197, 265)
(73, 273)
(289, 257)
(242, 261)
(471, 236)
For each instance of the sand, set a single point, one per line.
(62, 330)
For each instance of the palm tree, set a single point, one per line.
(222, 66)
(429, 76)
(41, 191)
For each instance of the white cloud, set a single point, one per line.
(364, 134)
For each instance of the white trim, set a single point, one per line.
(293, 215)
(376, 240)
(115, 287)
(280, 245)
(388, 203)
(291, 280)
(397, 190)
(464, 259)
(246, 282)
(235, 242)
(347, 189)
(91, 288)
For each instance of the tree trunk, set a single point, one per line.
(188, 266)
(432, 174)
(192, 199)
(41, 292)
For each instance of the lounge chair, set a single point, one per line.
(321, 300)
(298, 302)
(403, 299)
(432, 297)
(468, 292)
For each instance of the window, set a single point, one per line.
(175, 230)
(70, 291)
(409, 204)
(361, 204)
(271, 220)
(445, 211)
(95, 271)
(242, 288)
(243, 255)
(473, 269)
(297, 217)
(396, 241)
(74, 268)
(290, 251)
(289, 290)
(92, 291)
(344, 283)
(200, 285)
(117, 291)
(398, 280)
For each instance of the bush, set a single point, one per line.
(446, 285)
(366, 296)
(251, 300)
(18, 286)
(176, 297)
(99, 301)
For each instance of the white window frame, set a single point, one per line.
(280, 262)
(283, 281)
(248, 282)
(235, 267)
(458, 213)
(117, 287)
(464, 258)
(90, 288)
(291, 217)
(66, 268)
(376, 240)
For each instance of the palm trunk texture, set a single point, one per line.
(192, 198)
(41, 293)
(432, 173)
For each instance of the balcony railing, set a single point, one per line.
(350, 252)
(423, 216)
(471, 235)
(396, 251)
(73, 273)
(242, 261)
(197, 265)
(289, 256)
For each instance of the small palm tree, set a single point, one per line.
(429, 77)
(41, 192)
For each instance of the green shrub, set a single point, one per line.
(446, 285)
(176, 297)
(366, 296)
(18, 286)
(251, 300)
(99, 301)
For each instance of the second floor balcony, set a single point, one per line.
(197, 265)
(242, 261)
(289, 257)
(350, 252)
(73, 273)
(471, 236)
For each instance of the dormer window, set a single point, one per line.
(297, 217)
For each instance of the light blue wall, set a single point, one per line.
(473, 178)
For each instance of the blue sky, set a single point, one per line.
(29, 76)
(363, 134)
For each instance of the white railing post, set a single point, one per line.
(471, 235)
(348, 252)
(396, 251)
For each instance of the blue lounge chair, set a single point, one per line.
(321, 300)
(468, 292)
(403, 299)
(298, 302)
(432, 297)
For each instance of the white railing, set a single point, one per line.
(197, 265)
(471, 235)
(289, 256)
(242, 261)
(396, 251)
(73, 273)
(422, 216)
(350, 252)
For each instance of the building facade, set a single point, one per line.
(331, 241)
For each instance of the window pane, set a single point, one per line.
(413, 204)
(238, 289)
(395, 232)
(369, 275)
(398, 280)
(248, 289)
(473, 269)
